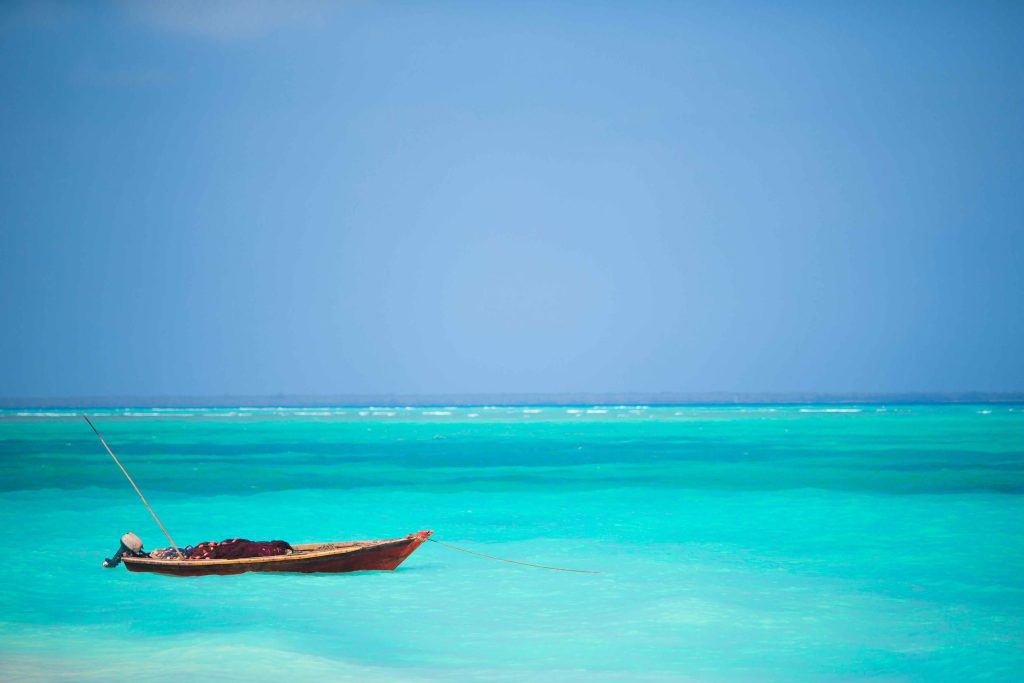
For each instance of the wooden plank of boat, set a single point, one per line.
(345, 556)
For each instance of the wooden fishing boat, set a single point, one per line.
(330, 558)
(345, 556)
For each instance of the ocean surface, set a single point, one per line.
(740, 543)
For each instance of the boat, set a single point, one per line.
(308, 558)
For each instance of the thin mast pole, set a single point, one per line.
(132, 482)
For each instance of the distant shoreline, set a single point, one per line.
(539, 399)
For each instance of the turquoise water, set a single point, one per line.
(756, 543)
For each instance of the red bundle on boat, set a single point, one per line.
(236, 548)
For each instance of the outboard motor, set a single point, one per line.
(130, 545)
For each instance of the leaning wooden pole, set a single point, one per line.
(132, 482)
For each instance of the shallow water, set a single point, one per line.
(735, 543)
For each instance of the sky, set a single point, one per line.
(261, 198)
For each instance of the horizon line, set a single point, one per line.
(282, 400)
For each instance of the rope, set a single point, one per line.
(132, 482)
(501, 559)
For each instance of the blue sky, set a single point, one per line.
(258, 198)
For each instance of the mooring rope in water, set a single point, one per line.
(502, 559)
(132, 482)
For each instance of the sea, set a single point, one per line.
(733, 543)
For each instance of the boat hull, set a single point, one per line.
(330, 558)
